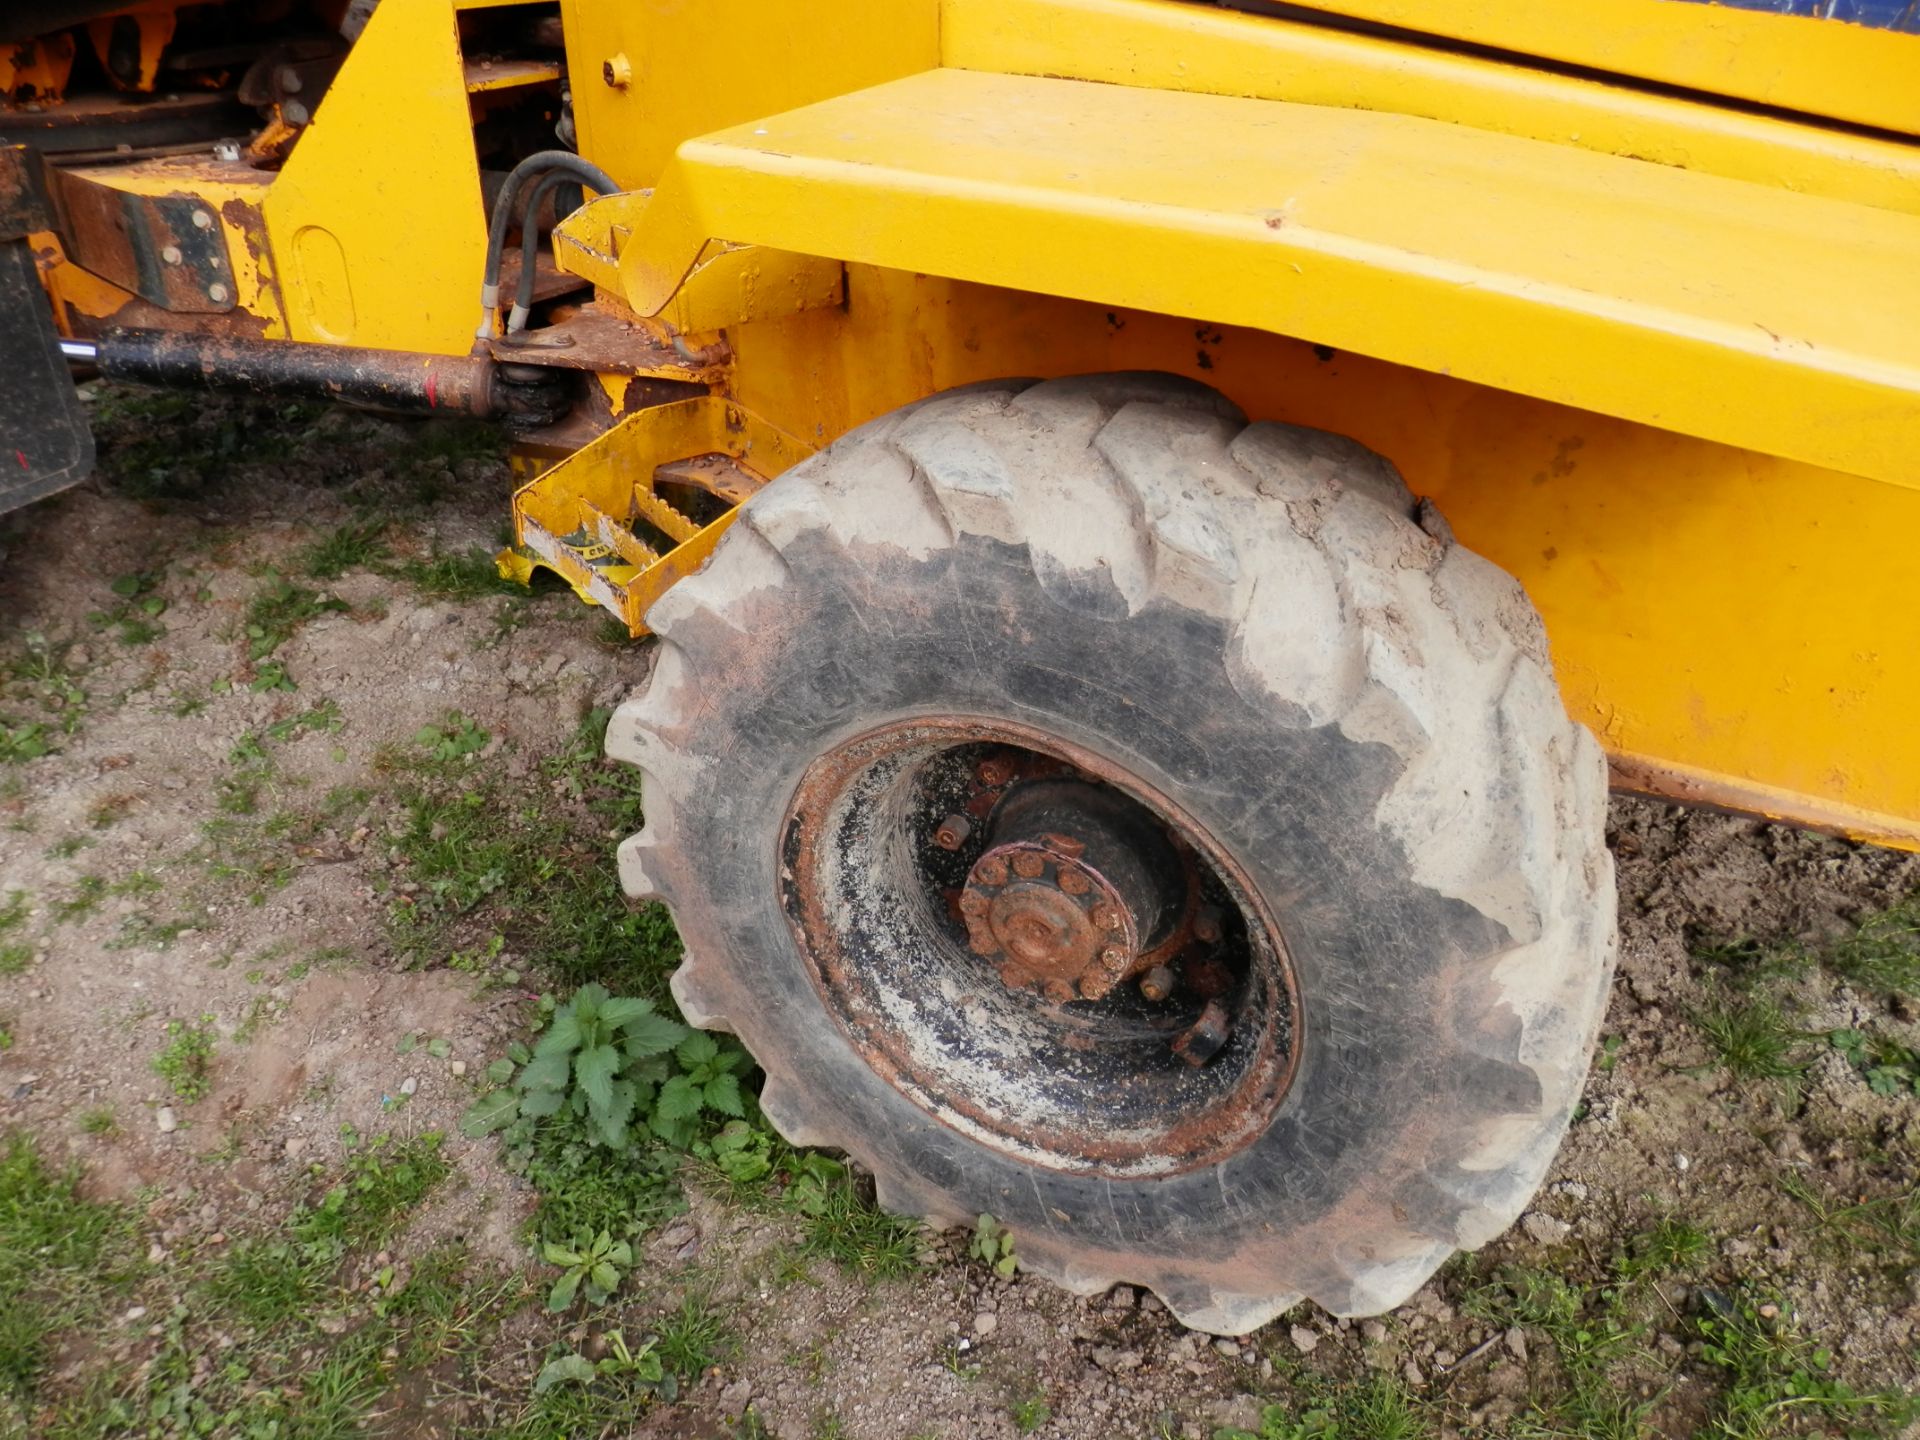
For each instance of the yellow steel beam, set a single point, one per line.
(376, 219)
(1788, 324)
(1177, 45)
(1794, 62)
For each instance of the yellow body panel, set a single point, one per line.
(686, 66)
(376, 219)
(1820, 66)
(1747, 624)
(1717, 308)
(1175, 45)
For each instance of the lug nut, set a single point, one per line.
(1059, 991)
(1095, 986)
(1206, 1037)
(1206, 925)
(994, 770)
(973, 904)
(992, 871)
(1157, 984)
(1113, 957)
(953, 832)
(1027, 865)
(1073, 882)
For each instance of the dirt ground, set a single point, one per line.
(207, 740)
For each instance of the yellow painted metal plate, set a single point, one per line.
(1795, 62)
(1788, 324)
(1176, 45)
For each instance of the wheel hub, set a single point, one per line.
(1057, 925)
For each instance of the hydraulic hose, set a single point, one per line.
(530, 245)
(539, 163)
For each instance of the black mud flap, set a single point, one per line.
(45, 444)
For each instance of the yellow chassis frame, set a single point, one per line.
(1657, 356)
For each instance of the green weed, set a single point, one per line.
(185, 1062)
(1031, 1413)
(992, 1246)
(21, 741)
(278, 610)
(592, 1266)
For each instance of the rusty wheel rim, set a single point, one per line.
(989, 918)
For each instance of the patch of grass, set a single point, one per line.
(1671, 1246)
(692, 1337)
(845, 1226)
(1374, 1409)
(61, 1255)
(1752, 1037)
(100, 1120)
(1778, 1382)
(462, 575)
(1883, 954)
(187, 1058)
(1593, 1339)
(354, 546)
(1885, 1227)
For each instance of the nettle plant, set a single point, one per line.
(623, 1071)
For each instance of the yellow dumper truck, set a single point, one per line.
(1162, 520)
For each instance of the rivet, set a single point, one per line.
(218, 293)
(202, 220)
(171, 254)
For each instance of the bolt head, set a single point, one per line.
(1113, 957)
(992, 872)
(1059, 991)
(1028, 865)
(973, 904)
(1073, 882)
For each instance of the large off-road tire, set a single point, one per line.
(1346, 723)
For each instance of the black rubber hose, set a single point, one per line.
(530, 244)
(503, 211)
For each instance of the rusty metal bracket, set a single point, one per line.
(170, 250)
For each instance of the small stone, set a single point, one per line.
(1516, 1342)
(166, 1120)
(332, 1324)
(985, 1323)
(294, 1146)
(409, 1085)
(735, 1397)
(1682, 1163)
(1182, 1349)
(1227, 1348)
(1151, 1304)
(1544, 1229)
(156, 1253)
(1413, 1375)
(138, 1312)
(1304, 1339)
(1769, 1312)
(459, 1068)
(1445, 1359)
(1373, 1332)
(1572, 1189)
(1108, 1358)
